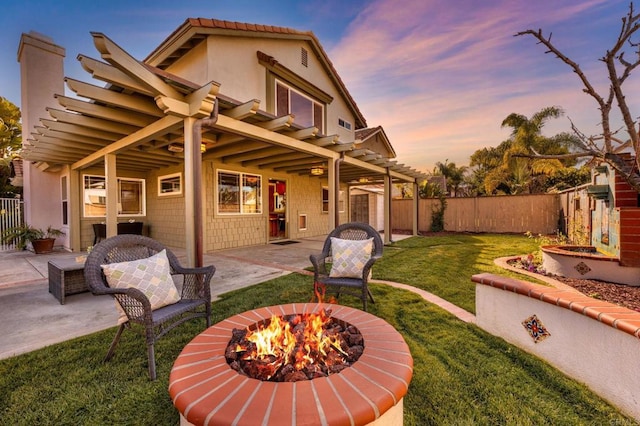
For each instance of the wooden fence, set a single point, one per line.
(539, 214)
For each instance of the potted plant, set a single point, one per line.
(41, 240)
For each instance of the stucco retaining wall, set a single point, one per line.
(592, 341)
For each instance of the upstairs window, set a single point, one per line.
(307, 111)
(344, 124)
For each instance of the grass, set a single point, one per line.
(462, 375)
(444, 265)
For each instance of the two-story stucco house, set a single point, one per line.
(226, 135)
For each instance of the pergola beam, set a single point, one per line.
(303, 134)
(341, 147)
(299, 157)
(109, 97)
(261, 134)
(79, 130)
(91, 122)
(277, 124)
(252, 155)
(109, 74)
(143, 135)
(247, 109)
(228, 149)
(115, 55)
(325, 141)
(107, 113)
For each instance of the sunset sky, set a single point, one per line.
(438, 75)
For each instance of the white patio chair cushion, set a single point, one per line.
(349, 257)
(152, 276)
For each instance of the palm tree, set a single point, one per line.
(454, 175)
(518, 172)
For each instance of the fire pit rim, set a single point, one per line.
(366, 390)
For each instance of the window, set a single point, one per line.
(302, 222)
(308, 112)
(239, 193)
(170, 184)
(325, 200)
(344, 124)
(65, 200)
(131, 196)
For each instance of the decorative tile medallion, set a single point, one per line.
(536, 329)
(582, 268)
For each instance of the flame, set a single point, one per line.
(319, 290)
(301, 341)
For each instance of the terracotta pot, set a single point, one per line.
(43, 246)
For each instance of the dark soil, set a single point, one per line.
(619, 294)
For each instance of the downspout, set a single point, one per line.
(197, 183)
(337, 189)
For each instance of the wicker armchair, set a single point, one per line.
(195, 292)
(354, 286)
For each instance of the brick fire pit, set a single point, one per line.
(207, 391)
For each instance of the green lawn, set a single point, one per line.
(462, 375)
(444, 265)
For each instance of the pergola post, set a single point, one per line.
(334, 193)
(75, 199)
(416, 204)
(111, 182)
(191, 198)
(387, 208)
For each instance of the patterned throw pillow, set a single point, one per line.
(349, 257)
(152, 276)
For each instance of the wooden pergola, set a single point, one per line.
(141, 118)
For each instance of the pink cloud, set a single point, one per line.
(440, 78)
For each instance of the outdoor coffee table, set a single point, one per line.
(66, 276)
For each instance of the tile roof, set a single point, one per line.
(365, 133)
(242, 26)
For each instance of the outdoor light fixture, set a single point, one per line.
(317, 171)
(363, 180)
(176, 147)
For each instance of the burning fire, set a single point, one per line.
(296, 347)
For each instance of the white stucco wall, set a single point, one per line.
(604, 358)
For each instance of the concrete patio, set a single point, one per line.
(31, 317)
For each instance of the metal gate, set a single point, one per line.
(10, 216)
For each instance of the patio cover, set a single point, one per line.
(130, 122)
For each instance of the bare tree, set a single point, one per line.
(607, 146)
